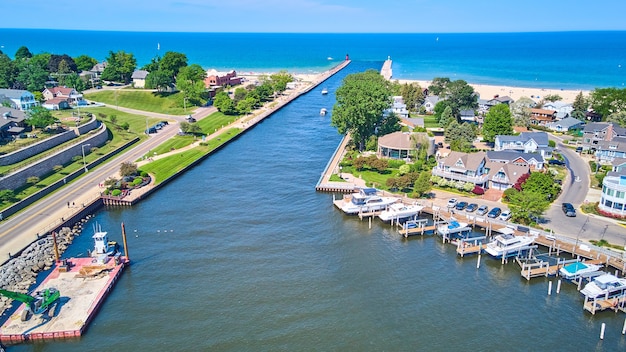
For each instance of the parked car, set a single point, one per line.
(556, 162)
(506, 215)
(190, 118)
(164, 122)
(151, 130)
(568, 209)
(452, 203)
(482, 210)
(472, 207)
(494, 213)
(461, 205)
(579, 149)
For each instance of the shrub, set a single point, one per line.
(116, 192)
(144, 174)
(435, 179)
(442, 182)
(404, 169)
(459, 184)
(395, 164)
(77, 158)
(57, 168)
(32, 180)
(137, 181)
(106, 192)
(468, 186)
(478, 190)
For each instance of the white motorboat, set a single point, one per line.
(323, 111)
(365, 201)
(400, 211)
(508, 245)
(605, 286)
(324, 91)
(453, 227)
(578, 269)
(102, 245)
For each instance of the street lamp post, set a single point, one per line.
(84, 162)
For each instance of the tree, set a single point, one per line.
(7, 196)
(618, 118)
(72, 80)
(412, 95)
(85, 62)
(439, 108)
(498, 121)
(223, 103)
(32, 74)
(120, 67)
(389, 123)
(461, 96)
(607, 101)
(172, 62)
(439, 85)
(280, 80)
(61, 64)
(32, 180)
(8, 72)
(526, 206)
(160, 80)
(23, 53)
(40, 117)
(240, 94)
(541, 183)
(422, 185)
(552, 97)
(446, 117)
(128, 168)
(190, 81)
(245, 106)
(520, 110)
(460, 136)
(361, 100)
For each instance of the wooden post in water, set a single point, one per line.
(549, 288)
(624, 328)
(478, 267)
(125, 244)
(56, 247)
(370, 222)
(602, 331)
(558, 286)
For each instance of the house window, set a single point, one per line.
(608, 203)
(618, 206)
(610, 192)
(603, 189)
(619, 194)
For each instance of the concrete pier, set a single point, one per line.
(386, 71)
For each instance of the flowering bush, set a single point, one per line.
(478, 190)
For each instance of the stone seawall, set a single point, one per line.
(44, 166)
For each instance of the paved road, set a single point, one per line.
(21, 229)
(575, 191)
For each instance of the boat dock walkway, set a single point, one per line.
(83, 284)
(386, 71)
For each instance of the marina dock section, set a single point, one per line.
(84, 284)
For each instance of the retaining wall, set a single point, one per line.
(45, 165)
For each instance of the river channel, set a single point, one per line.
(241, 254)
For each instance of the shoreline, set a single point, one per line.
(488, 91)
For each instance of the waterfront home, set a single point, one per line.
(466, 167)
(11, 122)
(70, 94)
(402, 145)
(56, 104)
(468, 115)
(504, 175)
(613, 199)
(563, 109)
(139, 78)
(500, 100)
(412, 122)
(527, 142)
(567, 124)
(216, 78)
(430, 102)
(542, 117)
(607, 151)
(595, 132)
(534, 161)
(18, 99)
(398, 107)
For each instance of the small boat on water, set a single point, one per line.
(605, 286)
(323, 111)
(453, 227)
(578, 269)
(365, 201)
(400, 211)
(102, 246)
(508, 245)
(324, 91)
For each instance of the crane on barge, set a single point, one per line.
(41, 303)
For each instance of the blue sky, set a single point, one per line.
(414, 16)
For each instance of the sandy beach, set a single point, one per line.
(489, 91)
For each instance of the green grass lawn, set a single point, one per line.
(429, 121)
(166, 167)
(165, 103)
(216, 121)
(173, 143)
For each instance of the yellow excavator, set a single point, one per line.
(43, 302)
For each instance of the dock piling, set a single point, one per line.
(624, 328)
(602, 331)
(124, 240)
(558, 286)
(370, 222)
(478, 267)
(549, 288)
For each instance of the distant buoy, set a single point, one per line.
(135, 230)
(158, 230)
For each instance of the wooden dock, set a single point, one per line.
(598, 305)
(83, 285)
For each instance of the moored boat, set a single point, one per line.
(323, 111)
(324, 91)
(508, 245)
(400, 211)
(365, 201)
(578, 269)
(605, 286)
(453, 227)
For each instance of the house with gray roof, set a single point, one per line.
(430, 102)
(398, 107)
(595, 132)
(465, 167)
(139, 78)
(534, 161)
(566, 124)
(11, 121)
(468, 115)
(527, 142)
(607, 151)
(18, 98)
(402, 145)
(563, 109)
(504, 176)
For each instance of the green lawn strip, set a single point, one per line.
(215, 121)
(173, 143)
(168, 166)
(166, 103)
(136, 123)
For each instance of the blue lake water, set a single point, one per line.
(576, 60)
(241, 254)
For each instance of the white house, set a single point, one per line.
(139, 78)
(430, 102)
(527, 142)
(19, 99)
(613, 198)
(566, 124)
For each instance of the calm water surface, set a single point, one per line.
(241, 254)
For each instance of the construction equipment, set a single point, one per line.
(42, 302)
